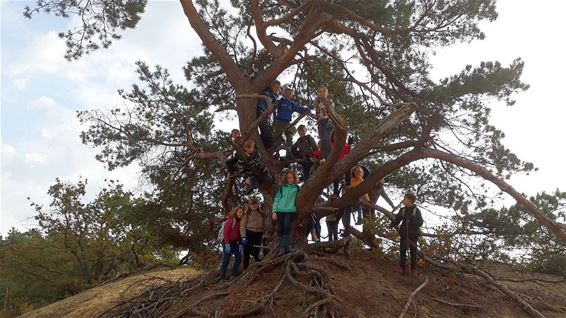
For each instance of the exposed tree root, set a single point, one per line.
(156, 299)
(296, 271)
(467, 306)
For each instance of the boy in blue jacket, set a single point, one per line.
(285, 109)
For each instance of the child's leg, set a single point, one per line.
(224, 266)
(413, 251)
(247, 252)
(403, 252)
(236, 251)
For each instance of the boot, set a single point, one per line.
(414, 272)
(288, 244)
(281, 246)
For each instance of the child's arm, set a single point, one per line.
(298, 109)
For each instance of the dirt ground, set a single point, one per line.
(92, 302)
(371, 288)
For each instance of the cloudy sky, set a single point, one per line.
(41, 91)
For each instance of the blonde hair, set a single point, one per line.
(249, 143)
(295, 176)
(357, 168)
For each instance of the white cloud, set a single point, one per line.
(42, 102)
(33, 158)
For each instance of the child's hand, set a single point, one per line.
(274, 216)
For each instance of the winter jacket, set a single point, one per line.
(253, 221)
(354, 183)
(321, 106)
(232, 233)
(304, 147)
(285, 198)
(411, 215)
(286, 108)
(252, 166)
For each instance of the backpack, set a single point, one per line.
(305, 146)
(220, 237)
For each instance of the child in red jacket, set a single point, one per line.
(231, 244)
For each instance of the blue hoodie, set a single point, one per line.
(286, 108)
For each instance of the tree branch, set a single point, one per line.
(234, 75)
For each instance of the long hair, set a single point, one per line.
(232, 213)
(284, 178)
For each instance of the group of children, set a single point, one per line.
(244, 227)
(243, 230)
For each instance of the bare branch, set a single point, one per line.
(232, 71)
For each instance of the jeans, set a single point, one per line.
(254, 238)
(234, 250)
(285, 223)
(325, 129)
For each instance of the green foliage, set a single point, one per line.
(101, 21)
(78, 245)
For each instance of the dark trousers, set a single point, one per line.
(234, 250)
(266, 134)
(285, 223)
(332, 227)
(254, 238)
(347, 180)
(306, 169)
(413, 251)
(346, 221)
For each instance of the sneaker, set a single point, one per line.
(414, 273)
(402, 270)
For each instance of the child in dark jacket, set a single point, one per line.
(231, 243)
(265, 129)
(252, 168)
(411, 220)
(303, 150)
(285, 109)
(251, 230)
(284, 210)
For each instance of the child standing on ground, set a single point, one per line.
(411, 220)
(231, 242)
(251, 230)
(284, 210)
